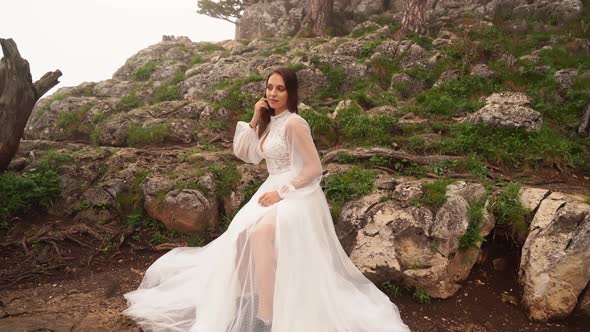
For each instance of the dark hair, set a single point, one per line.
(291, 85)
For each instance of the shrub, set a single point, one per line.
(508, 210)
(335, 78)
(471, 236)
(129, 102)
(22, 193)
(168, 91)
(226, 179)
(144, 72)
(140, 136)
(73, 122)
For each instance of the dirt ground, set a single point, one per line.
(76, 296)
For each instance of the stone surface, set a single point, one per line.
(553, 269)
(507, 109)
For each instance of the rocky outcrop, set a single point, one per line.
(390, 238)
(284, 17)
(181, 210)
(553, 270)
(507, 109)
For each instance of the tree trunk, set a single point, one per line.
(18, 95)
(413, 16)
(318, 17)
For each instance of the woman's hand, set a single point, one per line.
(269, 198)
(260, 104)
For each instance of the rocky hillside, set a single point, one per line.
(284, 17)
(434, 148)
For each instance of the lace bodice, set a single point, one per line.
(287, 146)
(273, 144)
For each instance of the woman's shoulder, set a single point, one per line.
(296, 120)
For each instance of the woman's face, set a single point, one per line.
(276, 93)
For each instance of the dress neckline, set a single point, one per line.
(280, 116)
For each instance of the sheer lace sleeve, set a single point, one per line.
(245, 143)
(305, 161)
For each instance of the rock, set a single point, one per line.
(565, 77)
(507, 110)
(405, 86)
(531, 198)
(182, 210)
(396, 240)
(482, 70)
(445, 77)
(584, 128)
(553, 269)
(311, 80)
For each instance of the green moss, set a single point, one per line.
(368, 48)
(357, 33)
(144, 72)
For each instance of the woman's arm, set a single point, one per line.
(245, 143)
(305, 161)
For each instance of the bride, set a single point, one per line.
(279, 266)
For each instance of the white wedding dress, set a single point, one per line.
(286, 255)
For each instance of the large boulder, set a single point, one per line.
(389, 238)
(182, 210)
(507, 109)
(554, 268)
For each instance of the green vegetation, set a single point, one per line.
(352, 184)
(211, 47)
(149, 135)
(35, 189)
(512, 147)
(471, 237)
(434, 194)
(457, 96)
(357, 33)
(129, 101)
(421, 296)
(234, 99)
(168, 90)
(226, 177)
(335, 78)
(391, 289)
(508, 210)
(355, 127)
(144, 72)
(73, 123)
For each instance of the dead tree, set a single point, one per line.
(318, 17)
(18, 95)
(414, 17)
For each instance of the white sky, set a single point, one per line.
(88, 40)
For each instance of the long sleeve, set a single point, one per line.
(305, 161)
(246, 142)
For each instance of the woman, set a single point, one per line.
(279, 267)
